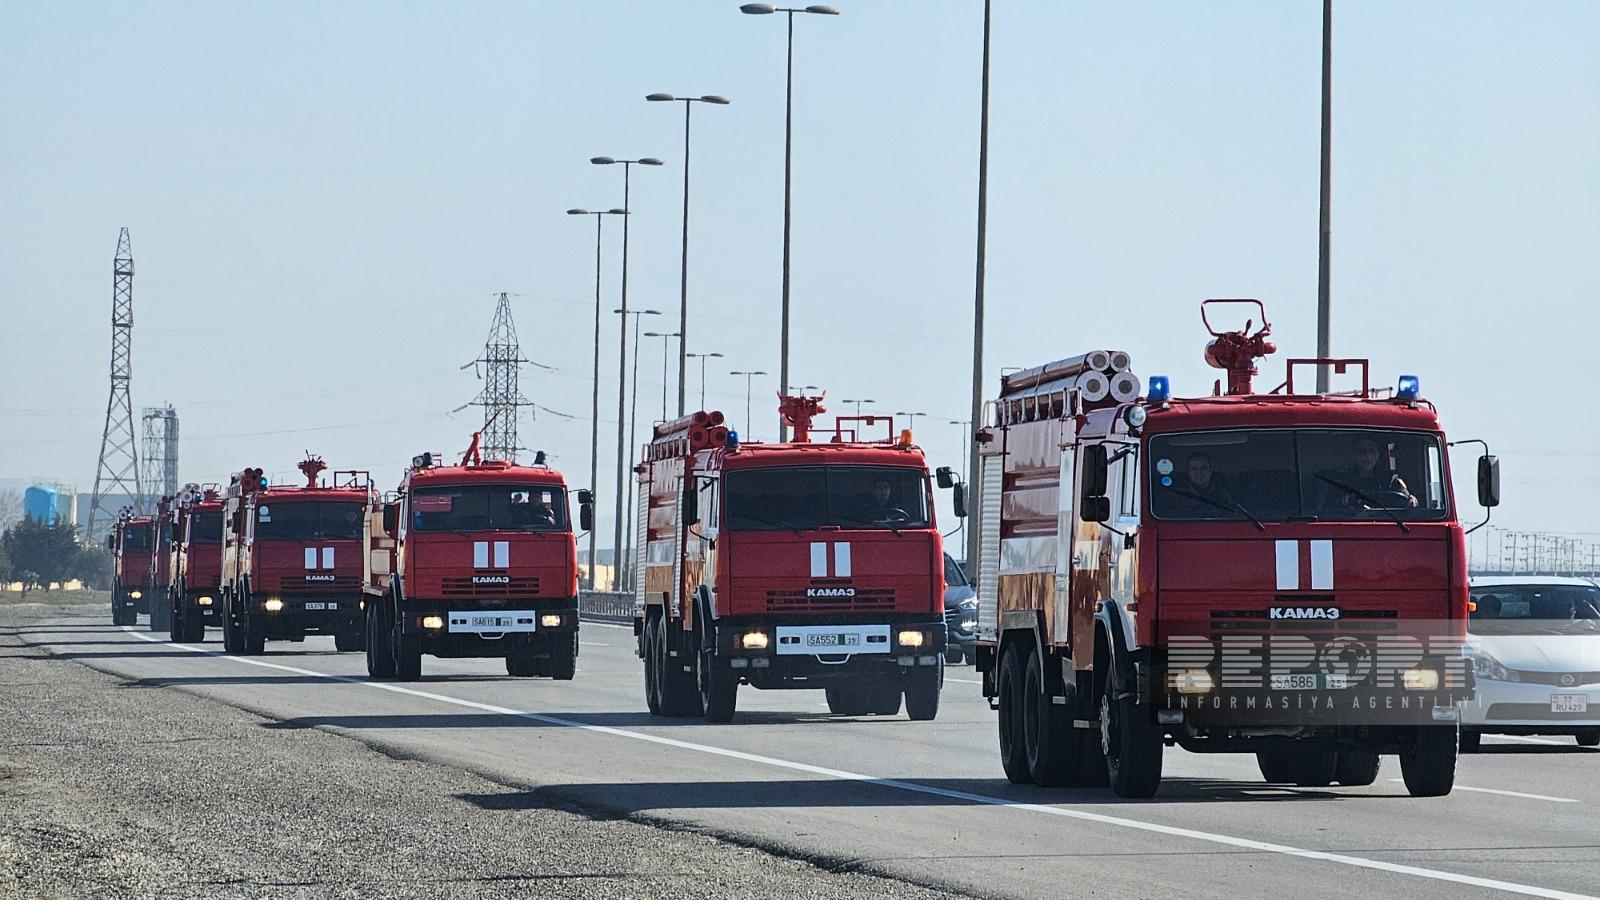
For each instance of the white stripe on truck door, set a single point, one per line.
(819, 560)
(1288, 565)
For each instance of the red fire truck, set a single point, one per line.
(788, 566)
(1278, 573)
(196, 562)
(131, 543)
(476, 560)
(161, 565)
(291, 558)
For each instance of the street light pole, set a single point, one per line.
(748, 421)
(858, 403)
(683, 271)
(977, 298)
(758, 9)
(594, 411)
(1324, 225)
(633, 428)
(913, 417)
(664, 382)
(622, 361)
(703, 357)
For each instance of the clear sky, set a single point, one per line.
(324, 198)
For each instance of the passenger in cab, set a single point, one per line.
(1203, 480)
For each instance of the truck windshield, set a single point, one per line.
(489, 507)
(1297, 473)
(798, 497)
(1535, 609)
(136, 539)
(206, 528)
(310, 521)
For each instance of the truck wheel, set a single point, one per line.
(160, 614)
(883, 701)
(922, 693)
(121, 612)
(680, 692)
(255, 637)
(1276, 768)
(407, 656)
(846, 701)
(380, 653)
(520, 665)
(1356, 768)
(652, 687)
(1428, 763)
(1587, 737)
(719, 688)
(349, 641)
(1048, 739)
(1312, 769)
(1009, 687)
(563, 661)
(1131, 743)
(1471, 741)
(232, 634)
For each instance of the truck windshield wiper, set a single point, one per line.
(1231, 506)
(870, 522)
(775, 523)
(1371, 503)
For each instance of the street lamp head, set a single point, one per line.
(757, 9)
(650, 312)
(601, 160)
(659, 97)
(718, 99)
(616, 212)
(651, 161)
(821, 10)
(716, 355)
(577, 212)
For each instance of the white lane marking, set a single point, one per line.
(913, 787)
(1527, 740)
(962, 680)
(587, 622)
(591, 644)
(1478, 790)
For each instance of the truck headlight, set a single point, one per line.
(753, 640)
(911, 638)
(1193, 681)
(550, 620)
(136, 594)
(1420, 679)
(433, 622)
(273, 604)
(204, 601)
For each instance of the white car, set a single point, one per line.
(1535, 647)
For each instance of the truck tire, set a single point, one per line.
(1587, 737)
(719, 688)
(680, 694)
(1471, 741)
(380, 653)
(1276, 768)
(922, 692)
(847, 701)
(563, 661)
(1009, 687)
(1428, 763)
(161, 613)
(255, 636)
(232, 633)
(407, 656)
(1356, 768)
(1312, 769)
(121, 612)
(884, 701)
(520, 665)
(352, 641)
(652, 687)
(1048, 738)
(1131, 743)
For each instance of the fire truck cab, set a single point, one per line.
(131, 543)
(476, 560)
(161, 565)
(291, 558)
(196, 551)
(1278, 573)
(789, 565)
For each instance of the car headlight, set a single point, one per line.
(1487, 667)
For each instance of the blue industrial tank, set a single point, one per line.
(39, 504)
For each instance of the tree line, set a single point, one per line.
(40, 555)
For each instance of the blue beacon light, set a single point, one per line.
(1160, 389)
(1410, 387)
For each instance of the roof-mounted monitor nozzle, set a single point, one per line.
(797, 413)
(311, 467)
(1237, 351)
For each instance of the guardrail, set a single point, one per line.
(605, 606)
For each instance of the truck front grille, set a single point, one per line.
(796, 600)
(515, 588)
(297, 584)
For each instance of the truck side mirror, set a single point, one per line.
(391, 518)
(585, 512)
(691, 504)
(1094, 471)
(958, 500)
(585, 497)
(945, 479)
(1095, 509)
(111, 542)
(1488, 481)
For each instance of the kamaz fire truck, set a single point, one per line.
(161, 565)
(476, 560)
(1278, 573)
(788, 566)
(194, 597)
(131, 544)
(292, 558)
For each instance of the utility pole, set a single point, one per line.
(975, 486)
(117, 474)
(1324, 234)
(500, 397)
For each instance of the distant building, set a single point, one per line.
(41, 504)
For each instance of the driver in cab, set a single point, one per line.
(1368, 477)
(880, 506)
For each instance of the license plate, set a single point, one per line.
(1569, 703)
(833, 640)
(1315, 681)
(314, 606)
(492, 623)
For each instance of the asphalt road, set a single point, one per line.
(923, 803)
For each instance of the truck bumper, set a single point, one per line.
(451, 628)
(813, 654)
(291, 617)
